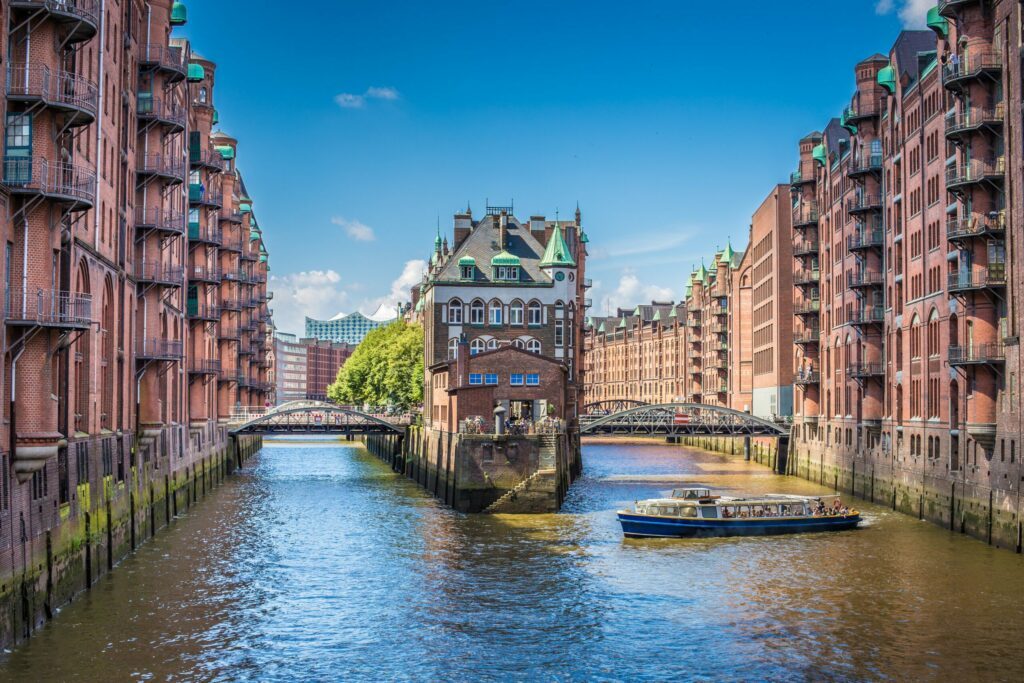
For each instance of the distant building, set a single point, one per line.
(306, 367)
(290, 355)
(350, 328)
(323, 360)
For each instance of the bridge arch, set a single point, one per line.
(681, 419)
(318, 417)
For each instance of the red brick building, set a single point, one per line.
(112, 311)
(323, 360)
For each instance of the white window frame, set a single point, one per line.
(455, 312)
(494, 313)
(533, 379)
(490, 379)
(516, 379)
(476, 378)
(477, 312)
(533, 346)
(515, 314)
(536, 308)
(453, 347)
(476, 346)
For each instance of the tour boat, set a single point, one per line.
(694, 512)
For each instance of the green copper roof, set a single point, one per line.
(657, 316)
(937, 22)
(179, 14)
(636, 311)
(601, 327)
(503, 258)
(557, 251)
(196, 72)
(226, 151)
(583, 238)
(887, 78)
(467, 261)
(245, 207)
(254, 235)
(702, 273)
(216, 117)
(673, 313)
(263, 258)
(846, 124)
(820, 154)
(622, 323)
(728, 254)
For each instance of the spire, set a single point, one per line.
(557, 251)
(437, 239)
(728, 254)
(578, 215)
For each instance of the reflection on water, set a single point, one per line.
(319, 563)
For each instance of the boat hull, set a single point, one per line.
(648, 526)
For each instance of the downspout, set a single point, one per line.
(99, 114)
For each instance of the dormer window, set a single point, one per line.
(506, 273)
(467, 268)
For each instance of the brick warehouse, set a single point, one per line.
(908, 379)
(135, 302)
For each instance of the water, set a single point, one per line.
(318, 563)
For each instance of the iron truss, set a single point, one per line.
(681, 419)
(316, 417)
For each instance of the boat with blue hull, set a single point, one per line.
(696, 512)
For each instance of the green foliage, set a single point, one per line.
(385, 369)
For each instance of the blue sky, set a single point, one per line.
(362, 122)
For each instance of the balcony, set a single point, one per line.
(806, 215)
(977, 354)
(871, 315)
(229, 334)
(157, 273)
(206, 158)
(204, 274)
(230, 304)
(805, 377)
(806, 248)
(204, 234)
(964, 229)
(797, 178)
(161, 220)
(807, 308)
(162, 166)
(269, 296)
(202, 311)
(233, 275)
(232, 244)
(587, 283)
(992, 278)
(864, 279)
(229, 375)
(166, 58)
(864, 203)
(866, 239)
(693, 322)
(972, 66)
(960, 124)
(963, 175)
(854, 115)
(62, 182)
(204, 366)
(159, 349)
(865, 370)
(82, 17)
(803, 278)
(807, 337)
(48, 308)
(865, 165)
(250, 257)
(231, 216)
(198, 194)
(155, 110)
(62, 91)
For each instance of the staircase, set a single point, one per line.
(522, 487)
(548, 451)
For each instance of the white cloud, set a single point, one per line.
(355, 229)
(313, 293)
(912, 13)
(348, 100)
(630, 292)
(411, 275)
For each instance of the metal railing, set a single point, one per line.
(865, 370)
(168, 349)
(993, 276)
(209, 158)
(201, 233)
(976, 354)
(84, 10)
(231, 304)
(869, 315)
(155, 271)
(166, 57)
(806, 277)
(149, 107)
(805, 247)
(975, 170)
(807, 377)
(865, 278)
(52, 178)
(868, 111)
(974, 117)
(160, 219)
(204, 273)
(202, 311)
(57, 88)
(806, 215)
(204, 366)
(160, 164)
(808, 307)
(866, 239)
(975, 226)
(865, 202)
(51, 308)
(868, 163)
(807, 337)
(969, 64)
(230, 333)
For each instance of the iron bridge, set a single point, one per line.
(314, 417)
(679, 419)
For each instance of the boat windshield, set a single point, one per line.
(762, 510)
(691, 493)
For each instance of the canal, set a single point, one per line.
(318, 563)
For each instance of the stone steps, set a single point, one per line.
(522, 487)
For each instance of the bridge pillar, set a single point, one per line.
(782, 458)
(746, 448)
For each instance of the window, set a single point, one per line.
(491, 379)
(495, 312)
(476, 346)
(476, 378)
(18, 148)
(507, 273)
(560, 333)
(532, 379)
(515, 313)
(516, 379)
(519, 344)
(455, 312)
(535, 314)
(476, 313)
(453, 347)
(467, 272)
(202, 95)
(533, 346)
(492, 344)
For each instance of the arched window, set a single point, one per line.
(476, 312)
(559, 309)
(933, 333)
(535, 313)
(492, 344)
(455, 312)
(476, 346)
(495, 312)
(533, 346)
(519, 344)
(453, 347)
(915, 337)
(515, 313)
(202, 95)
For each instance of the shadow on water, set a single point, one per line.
(319, 563)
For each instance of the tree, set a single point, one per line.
(385, 369)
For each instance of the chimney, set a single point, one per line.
(503, 230)
(461, 378)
